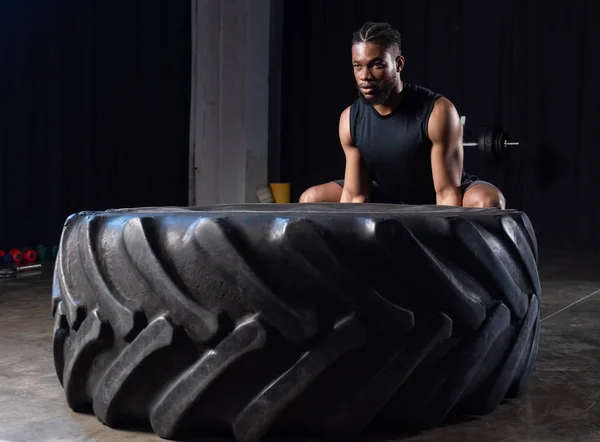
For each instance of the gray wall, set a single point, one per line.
(231, 92)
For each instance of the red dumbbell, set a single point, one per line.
(17, 256)
(30, 256)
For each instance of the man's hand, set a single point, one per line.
(445, 132)
(357, 184)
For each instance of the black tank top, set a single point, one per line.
(396, 148)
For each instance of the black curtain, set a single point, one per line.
(94, 110)
(528, 65)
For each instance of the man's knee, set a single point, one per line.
(310, 196)
(323, 193)
(484, 196)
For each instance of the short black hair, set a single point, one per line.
(379, 33)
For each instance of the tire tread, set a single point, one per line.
(266, 317)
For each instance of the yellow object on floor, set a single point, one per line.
(281, 192)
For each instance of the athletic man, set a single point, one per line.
(402, 142)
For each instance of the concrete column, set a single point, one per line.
(230, 100)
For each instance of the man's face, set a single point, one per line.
(375, 71)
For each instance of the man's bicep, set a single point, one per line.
(446, 166)
(445, 132)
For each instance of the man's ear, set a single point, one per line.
(399, 63)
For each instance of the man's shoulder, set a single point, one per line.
(355, 108)
(422, 91)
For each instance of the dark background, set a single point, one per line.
(94, 110)
(524, 64)
(94, 102)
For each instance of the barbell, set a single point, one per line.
(493, 142)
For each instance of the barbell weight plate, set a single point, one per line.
(500, 148)
(493, 142)
(488, 140)
(481, 142)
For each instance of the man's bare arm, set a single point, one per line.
(445, 132)
(357, 184)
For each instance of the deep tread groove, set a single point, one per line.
(531, 237)
(60, 334)
(494, 391)
(74, 310)
(315, 319)
(514, 232)
(169, 410)
(440, 389)
(254, 421)
(523, 376)
(123, 320)
(486, 249)
(92, 337)
(159, 334)
(463, 370)
(354, 416)
(455, 296)
(200, 323)
(391, 319)
(218, 240)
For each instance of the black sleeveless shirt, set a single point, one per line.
(396, 148)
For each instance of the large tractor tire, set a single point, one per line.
(320, 320)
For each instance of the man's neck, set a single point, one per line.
(393, 100)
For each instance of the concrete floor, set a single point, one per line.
(561, 404)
